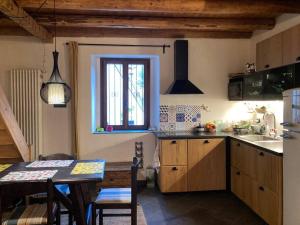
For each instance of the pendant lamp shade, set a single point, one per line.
(55, 91)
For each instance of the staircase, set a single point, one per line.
(13, 146)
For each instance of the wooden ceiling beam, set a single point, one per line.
(200, 24)
(177, 8)
(9, 28)
(24, 20)
(146, 33)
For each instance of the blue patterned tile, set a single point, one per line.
(163, 117)
(180, 117)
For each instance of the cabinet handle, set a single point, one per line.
(261, 188)
(173, 142)
(267, 66)
(238, 144)
(238, 173)
(298, 58)
(174, 168)
(261, 154)
(206, 142)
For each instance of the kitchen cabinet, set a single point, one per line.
(206, 164)
(269, 169)
(254, 86)
(269, 53)
(192, 165)
(244, 187)
(173, 179)
(291, 45)
(173, 152)
(256, 178)
(243, 156)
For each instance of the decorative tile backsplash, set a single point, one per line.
(179, 117)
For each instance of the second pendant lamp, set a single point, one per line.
(55, 91)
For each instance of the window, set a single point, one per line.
(125, 93)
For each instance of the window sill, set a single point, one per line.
(124, 132)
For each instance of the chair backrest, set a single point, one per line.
(134, 171)
(57, 156)
(22, 189)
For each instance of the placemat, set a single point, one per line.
(29, 175)
(50, 163)
(88, 168)
(4, 167)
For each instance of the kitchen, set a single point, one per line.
(239, 115)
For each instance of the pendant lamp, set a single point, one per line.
(55, 91)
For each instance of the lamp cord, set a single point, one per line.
(54, 14)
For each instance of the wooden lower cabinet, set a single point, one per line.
(206, 164)
(244, 187)
(173, 152)
(268, 205)
(260, 189)
(192, 165)
(172, 179)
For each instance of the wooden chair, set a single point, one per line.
(118, 198)
(29, 214)
(62, 188)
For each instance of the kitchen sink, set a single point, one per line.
(258, 138)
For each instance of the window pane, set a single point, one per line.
(114, 79)
(136, 94)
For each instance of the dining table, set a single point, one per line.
(78, 174)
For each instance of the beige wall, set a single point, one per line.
(210, 62)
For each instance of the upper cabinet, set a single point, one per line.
(269, 53)
(291, 45)
(281, 49)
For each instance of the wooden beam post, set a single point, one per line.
(24, 20)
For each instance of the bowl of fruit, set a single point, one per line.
(210, 127)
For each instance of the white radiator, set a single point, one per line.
(27, 106)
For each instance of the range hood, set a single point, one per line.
(181, 84)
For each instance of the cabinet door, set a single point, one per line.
(236, 182)
(243, 157)
(254, 86)
(291, 45)
(206, 164)
(173, 179)
(244, 187)
(173, 152)
(277, 81)
(269, 53)
(269, 169)
(268, 206)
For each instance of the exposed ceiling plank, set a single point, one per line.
(8, 28)
(180, 8)
(146, 33)
(23, 19)
(200, 24)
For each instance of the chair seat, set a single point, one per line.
(28, 215)
(63, 188)
(114, 196)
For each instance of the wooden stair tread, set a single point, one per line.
(13, 146)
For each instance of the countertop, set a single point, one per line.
(274, 147)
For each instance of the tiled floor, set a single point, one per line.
(203, 208)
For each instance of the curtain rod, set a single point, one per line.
(164, 46)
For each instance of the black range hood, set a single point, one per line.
(181, 84)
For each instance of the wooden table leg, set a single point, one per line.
(78, 204)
